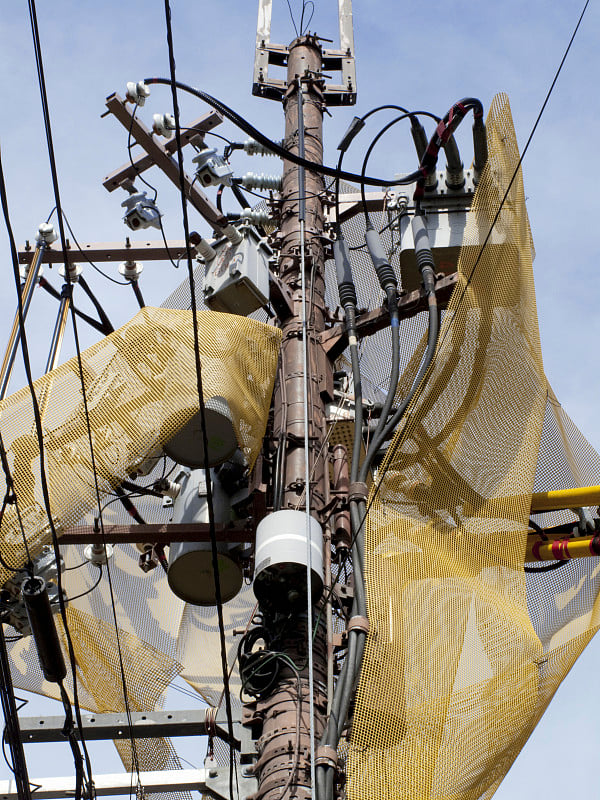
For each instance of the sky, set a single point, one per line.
(413, 54)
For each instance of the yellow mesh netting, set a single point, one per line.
(465, 650)
(141, 389)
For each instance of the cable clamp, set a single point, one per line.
(326, 756)
(358, 624)
(358, 491)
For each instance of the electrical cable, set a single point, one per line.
(84, 254)
(85, 317)
(304, 28)
(292, 17)
(211, 516)
(91, 589)
(38, 427)
(45, 109)
(278, 150)
(107, 325)
(138, 174)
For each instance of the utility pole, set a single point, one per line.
(281, 717)
(284, 745)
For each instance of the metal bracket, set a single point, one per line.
(341, 60)
(217, 781)
(145, 725)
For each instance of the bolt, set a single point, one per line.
(213, 772)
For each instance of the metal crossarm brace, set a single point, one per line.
(158, 534)
(111, 251)
(163, 159)
(176, 780)
(145, 725)
(143, 162)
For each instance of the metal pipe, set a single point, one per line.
(565, 498)
(15, 334)
(562, 549)
(59, 328)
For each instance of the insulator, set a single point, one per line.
(35, 598)
(232, 233)
(253, 148)
(258, 216)
(253, 181)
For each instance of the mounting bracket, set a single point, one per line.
(342, 60)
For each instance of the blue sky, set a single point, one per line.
(414, 54)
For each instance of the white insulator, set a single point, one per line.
(234, 236)
(163, 125)
(253, 181)
(137, 92)
(131, 270)
(253, 148)
(75, 271)
(46, 233)
(205, 250)
(256, 216)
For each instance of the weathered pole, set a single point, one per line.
(282, 716)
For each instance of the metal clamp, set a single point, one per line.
(326, 756)
(358, 492)
(358, 624)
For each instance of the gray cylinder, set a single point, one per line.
(187, 446)
(190, 574)
(281, 559)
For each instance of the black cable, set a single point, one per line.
(138, 293)
(304, 28)
(546, 568)
(211, 517)
(292, 17)
(91, 589)
(38, 425)
(138, 174)
(107, 325)
(244, 125)
(43, 283)
(84, 254)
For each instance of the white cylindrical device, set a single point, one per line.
(281, 559)
(191, 575)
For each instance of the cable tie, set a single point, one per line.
(357, 491)
(358, 623)
(326, 756)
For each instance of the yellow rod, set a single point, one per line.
(564, 549)
(565, 498)
(9, 355)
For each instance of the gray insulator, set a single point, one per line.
(205, 250)
(257, 216)
(385, 273)
(234, 236)
(423, 254)
(455, 175)
(252, 180)
(254, 148)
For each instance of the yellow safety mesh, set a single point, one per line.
(141, 389)
(465, 650)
